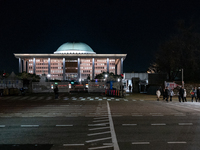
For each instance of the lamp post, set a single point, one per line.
(182, 79)
(48, 76)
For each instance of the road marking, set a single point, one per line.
(65, 98)
(129, 124)
(137, 115)
(112, 98)
(141, 100)
(101, 147)
(182, 124)
(48, 98)
(117, 99)
(178, 142)
(2, 126)
(113, 135)
(100, 120)
(180, 115)
(133, 100)
(125, 100)
(73, 144)
(157, 115)
(109, 99)
(40, 98)
(91, 99)
(96, 125)
(99, 133)
(83, 99)
(90, 141)
(96, 97)
(100, 99)
(29, 126)
(24, 98)
(158, 124)
(66, 125)
(116, 115)
(99, 128)
(140, 142)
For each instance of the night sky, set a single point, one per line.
(132, 27)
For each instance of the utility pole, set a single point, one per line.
(182, 79)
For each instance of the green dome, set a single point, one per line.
(74, 48)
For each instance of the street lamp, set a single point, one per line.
(48, 76)
(106, 75)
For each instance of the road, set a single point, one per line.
(85, 121)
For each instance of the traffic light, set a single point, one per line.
(122, 75)
(4, 75)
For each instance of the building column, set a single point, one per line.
(121, 67)
(24, 63)
(63, 68)
(20, 65)
(79, 68)
(34, 65)
(108, 65)
(93, 69)
(49, 65)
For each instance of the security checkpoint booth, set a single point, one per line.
(135, 82)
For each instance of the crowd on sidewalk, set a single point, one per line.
(182, 94)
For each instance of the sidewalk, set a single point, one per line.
(141, 96)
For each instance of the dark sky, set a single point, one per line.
(132, 27)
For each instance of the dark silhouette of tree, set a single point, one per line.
(181, 51)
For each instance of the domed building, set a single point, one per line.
(71, 61)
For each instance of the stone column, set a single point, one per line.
(63, 68)
(121, 67)
(24, 63)
(49, 65)
(20, 65)
(34, 65)
(79, 68)
(93, 69)
(108, 65)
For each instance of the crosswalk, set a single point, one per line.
(65, 98)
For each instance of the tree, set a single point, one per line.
(110, 76)
(28, 76)
(181, 51)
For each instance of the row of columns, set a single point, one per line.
(49, 66)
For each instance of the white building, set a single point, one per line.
(71, 61)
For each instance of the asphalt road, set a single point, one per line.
(83, 121)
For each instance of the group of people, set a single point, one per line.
(182, 94)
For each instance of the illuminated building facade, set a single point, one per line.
(71, 61)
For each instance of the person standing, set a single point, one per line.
(198, 94)
(158, 94)
(181, 92)
(184, 95)
(167, 93)
(192, 92)
(56, 92)
(171, 94)
(195, 93)
(164, 94)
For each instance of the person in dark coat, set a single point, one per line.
(56, 92)
(198, 93)
(167, 94)
(163, 93)
(181, 93)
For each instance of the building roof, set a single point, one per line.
(74, 48)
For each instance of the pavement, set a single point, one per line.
(83, 121)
